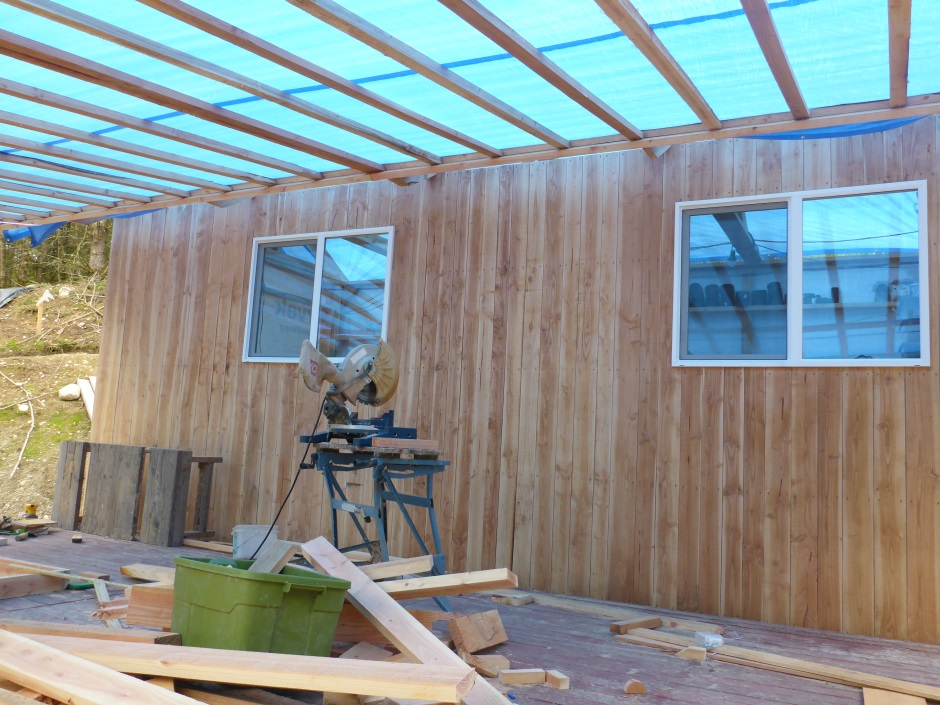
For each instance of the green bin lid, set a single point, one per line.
(296, 575)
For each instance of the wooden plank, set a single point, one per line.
(488, 665)
(373, 36)
(452, 584)
(557, 679)
(398, 567)
(899, 48)
(637, 30)
(475, 632)
(758, 14)
(150, 605)
(66, 677)
(164, 515)
(804, 668)
(625, 625)
(522, 676)
(401, 628)
(316, 673)
(50, 193)
(150, 573)
(70, 476)
(406, 443)
(873, 696)
(112, 489)
(144, 636)
(353, 627)
(24, 585)
(88, 396)
(273, 558)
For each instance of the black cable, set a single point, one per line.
(294, 482)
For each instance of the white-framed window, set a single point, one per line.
(828, 278)
(330, 287)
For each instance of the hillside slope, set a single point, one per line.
(33, 367)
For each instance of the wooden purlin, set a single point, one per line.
(32, 202)
(51, 193)
(112, 198)
(899, 49)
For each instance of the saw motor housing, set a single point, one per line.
(367, 375)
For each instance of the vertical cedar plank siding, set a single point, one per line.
(531, 312)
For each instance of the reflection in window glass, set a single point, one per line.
(861, 284)
(352, 293)
(735, 282)
(283, 299)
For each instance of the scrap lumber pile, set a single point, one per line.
(387, 654)
(675, 636)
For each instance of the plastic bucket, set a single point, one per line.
(246, 539)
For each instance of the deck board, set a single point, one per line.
(576, 643)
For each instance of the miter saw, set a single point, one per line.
(368, 375)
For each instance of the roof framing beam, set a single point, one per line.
(38, 163)
(31, 178)
(49, 57)
(9, 215)
(45, 205)
(24, 210)
(629, 21)
(497, 31)
(61, 102)
(899, 49)
(51, 128)
(275, 54)
(758, 14)
(109, 32)
(108, 163)
(370, 35)
(51, 193)
(922, 105)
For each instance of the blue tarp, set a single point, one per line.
(38, 233)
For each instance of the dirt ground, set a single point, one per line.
(32, 370)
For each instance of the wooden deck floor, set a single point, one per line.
(578, 644)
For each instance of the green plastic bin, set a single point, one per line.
(218, 603)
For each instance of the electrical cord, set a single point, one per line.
(293, 484)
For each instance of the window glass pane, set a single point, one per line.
(861, 281)
(283, 299)
(352, 295)
(735, 283)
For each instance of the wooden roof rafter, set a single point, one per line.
(25, 210)
(108, 163)
(69, 133)
(356, 27)
(122, 37)
(61, 102)
(500, 33)
(48, 165)
(32, 202)
(762, 23)
(49, 193)
(899, 49)
(629, 21)
(9, 215)
(35, 180)
(50, 57)
(275, 54)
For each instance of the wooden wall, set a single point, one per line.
(531, 309)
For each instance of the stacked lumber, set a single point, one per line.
(388, 653)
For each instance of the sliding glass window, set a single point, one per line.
(329, 287)
(812, 279)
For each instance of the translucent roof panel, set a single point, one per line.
(923, 76)
(838, 50)
(714, 44)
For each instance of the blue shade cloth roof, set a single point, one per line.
(838, 51)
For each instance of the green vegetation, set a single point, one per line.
(60, 426)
